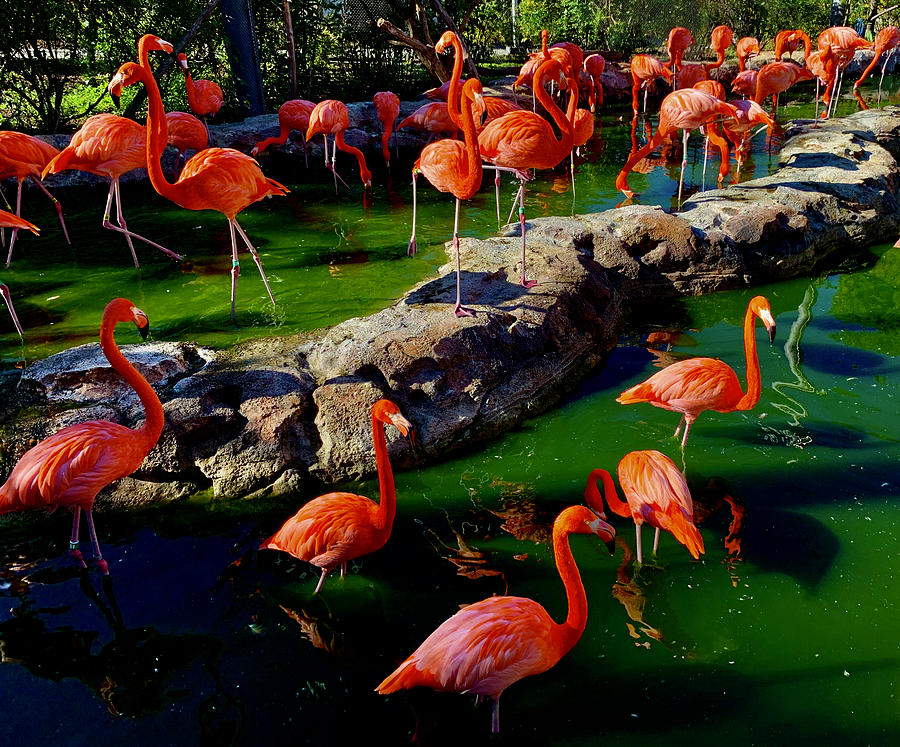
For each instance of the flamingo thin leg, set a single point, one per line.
(95, 545)
(123, 226)
(638, 552)
(411, 249)
(655, 541)
(56, 205)
(73, 541)
(256, 259)
(15, 231)
(321, 581)
(459, 309)
(235, 265)
(4, 291)
(684, 155)
(495, 716)
(525, 283)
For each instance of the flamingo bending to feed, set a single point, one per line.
(697, 384)
(524, 140)
(70, 467)
(110, 146)
(186, 132)
(330, 117)
(452, 166)
(205, 97)
(434, 118)
(645, 68)
(23, 156)
(387, 107)
(292, 115)
(594, 65)
(789, 40)
(487, 646)
(749, 114)
(886, 40)
(844, 41)
(220, 179)
(746, 48)
(656, 493)
(686, 110)
(744, 83)
(335, 528)
(720, 39)
(776, 78)
(8, 220)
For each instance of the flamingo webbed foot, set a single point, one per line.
(411, 249)
(528, 283)
(462, 311)
(102, 566)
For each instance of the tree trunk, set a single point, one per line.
(291, 49)
(425, 52)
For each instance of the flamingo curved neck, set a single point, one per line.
(360, 158)
(472, 179)
(453, 95)
(568, 633)
(616, 505)
(387, 506)
(564, 144)
(153, 423)
(754, 386)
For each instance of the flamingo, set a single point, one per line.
(678, 41)
(387, 107)
(452, 166)
(777, 77)
(205, 97)
(292, 115)
(524, 140)
(789, 40)
(744, 83)
(656, 492)
(220, 179)
(331, 117)
(487, 646)
(110, 146)
(576, 54)
(720, 39)
(746, 48)
(844, 41)
(441, 92)
(528, 70)
(697, 384)
(70, 467)
(686, 110)
(886, 40)
(645, 68)
(434, 118)
(748, 114)
(690, 75)
(186, 132)
(335, 528)
(8, 220)
(594, 65)
(23, 156)
(713, 134)
(823, 64)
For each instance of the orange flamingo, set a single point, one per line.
(645, 68)
(524, 140)
(487, 646)
(528, 70)
(690, 75)
(886, 40)
(686, 110)
(746, 48)
(720, 39)
(594, 65)
(186, 132)
(656, 492)
(697, 384)
(8, 220)
(576, 54)
(434, 118)
(823, 64)
(387, 107)
(744, 83)
(292, 115)
(789, 40)
(713, 133)
(205, 97)
(844, 41)
(441, 92)
(220, 179)
(331, 117)
(70, 467)
(776, 78)
(335, 528)
(452, 166)
(110, 146)
(748, 114)
(678, 41)
(23, 156)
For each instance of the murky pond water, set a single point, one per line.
(784, 631)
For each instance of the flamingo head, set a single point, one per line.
(581, 520)
(127, 74)
(141, 321)
(387, 412)
(182, 60)
(759, 305)
(446, 40)
(592, 495)
(153, 43)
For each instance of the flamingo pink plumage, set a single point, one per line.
(644, 69)
(292, 115)
(487, 646)
(594, 65)
(746, 48)
(205, 97)
(387, 108)
(697, 384)
(335, 528)
(70, 467)
(886, 40)
(720, 39)
(433, 118)
(331, 117)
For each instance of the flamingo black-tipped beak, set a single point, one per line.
(145, 330)
(611, 546)
(772, 333)
(116, 99)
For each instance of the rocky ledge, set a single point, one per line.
(292, 413)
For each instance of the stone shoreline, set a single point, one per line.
(292, 413)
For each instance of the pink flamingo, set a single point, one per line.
(645, 68)
(292, 115)
(594, 65)
(387, 107)
(330, 117)
(8, 220)
(720, 39)
(746, 48)
(186, 132)
(885, 41)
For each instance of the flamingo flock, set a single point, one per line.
(488, 646)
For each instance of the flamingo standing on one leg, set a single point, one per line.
(686, 110)
(335, 528)
(186, 132)
(330, 117)
(656, 493)
(8, 220)
(220, 179)
(387, 107)
(110, 146)
(23, 156)
(697, 384)
(886, 40)
(70, 467)
(292, 115)
(452, 166)
(645, 68)
(205, 97)
(487, 646)
(524, 140)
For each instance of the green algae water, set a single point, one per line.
(784, 632)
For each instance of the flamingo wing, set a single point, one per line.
(444, 165)
(515, 140)
(693, 385)
(482, 649)
(24, 155)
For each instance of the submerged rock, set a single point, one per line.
(288, 414)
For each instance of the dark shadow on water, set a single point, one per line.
(843, 361)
